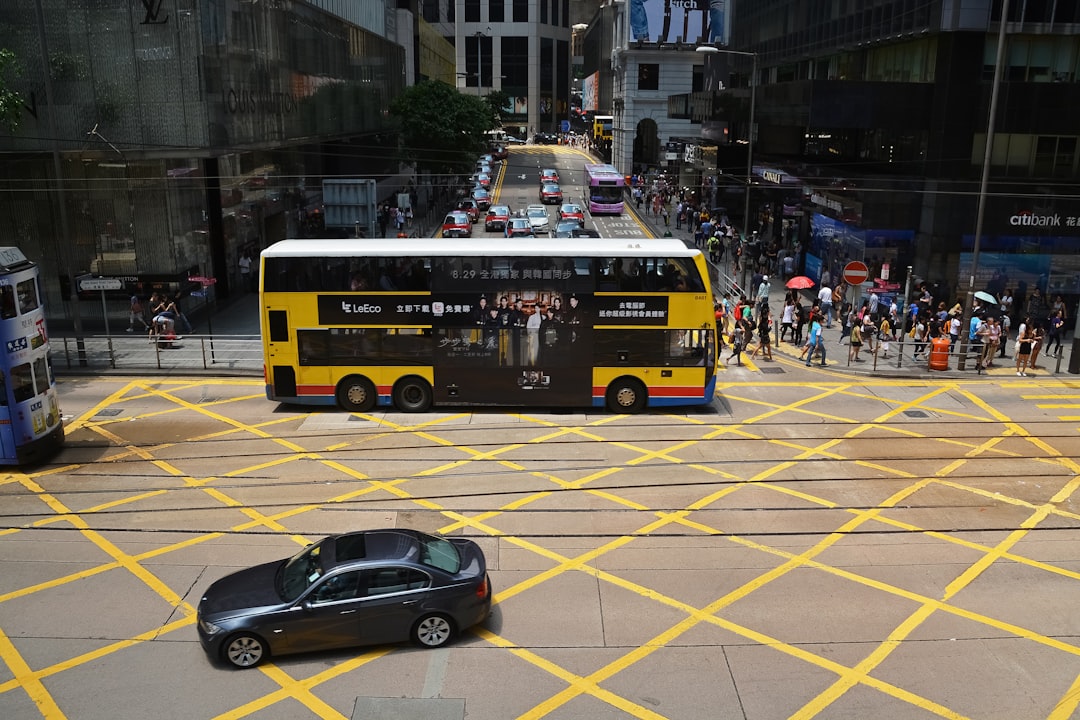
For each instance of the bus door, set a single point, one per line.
(280, 353)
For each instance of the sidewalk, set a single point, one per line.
(899, 364)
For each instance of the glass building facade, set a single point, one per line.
(184, 132)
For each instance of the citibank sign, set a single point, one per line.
(1027, 219)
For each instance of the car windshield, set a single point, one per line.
(300, 571)
(439, 553)
(537, 212)
(571, 210)
(499, 210)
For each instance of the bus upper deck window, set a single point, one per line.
(7, 302)
(28, 297)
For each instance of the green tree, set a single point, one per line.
(497, 102)
(442, 130)
(11, 102)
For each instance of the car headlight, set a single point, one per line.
(208, 627)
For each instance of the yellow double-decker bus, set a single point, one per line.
(412, 323)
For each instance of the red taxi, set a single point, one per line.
(469, 207)
(457, 224)
(549, 175)
(571, 211)
(496, 217)
(550, 193)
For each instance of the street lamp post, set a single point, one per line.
(713, 50)
(479, 35)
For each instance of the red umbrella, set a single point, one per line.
(799, 282)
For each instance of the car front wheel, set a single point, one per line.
(244, 650)
(432, 631)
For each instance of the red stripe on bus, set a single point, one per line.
(302, 390)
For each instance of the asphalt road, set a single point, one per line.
(818, 547)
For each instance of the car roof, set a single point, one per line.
(376, 545)
(499, 209)
(457, 214)
(551, 185)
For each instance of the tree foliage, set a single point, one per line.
(442, 129)
(497, 102)
(11, 102)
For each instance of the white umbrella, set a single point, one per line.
(986, 297)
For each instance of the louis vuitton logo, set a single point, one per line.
(153, 11)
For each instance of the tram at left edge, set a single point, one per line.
(31, 429)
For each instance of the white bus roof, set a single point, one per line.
(436, 247)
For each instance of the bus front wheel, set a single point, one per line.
(412, 394)
(626, 395)
(356, 394)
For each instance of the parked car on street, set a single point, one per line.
(482, 196)
(457, 224)
(469, 206)
(361, 588)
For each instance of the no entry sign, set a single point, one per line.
(856, 273)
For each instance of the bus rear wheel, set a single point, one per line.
(626, 395)
(412, 394)
(356, 394)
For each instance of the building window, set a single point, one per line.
(566, 13)
(543, 12)
(521, 10)
(472, 10)
(555, 12)
(430, 10)
(648, 76)
(497, 10)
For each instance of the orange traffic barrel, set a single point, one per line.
(939, 353)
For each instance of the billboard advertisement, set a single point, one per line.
(590, 92)
(689, 21)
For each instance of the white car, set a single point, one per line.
(538, 217)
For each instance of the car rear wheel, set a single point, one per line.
(432, 631)
(356, 394)
(244, 650)
(412, 394)
(626, 395)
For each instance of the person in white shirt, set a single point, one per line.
(825, 301)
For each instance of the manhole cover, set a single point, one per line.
(916, 413)
(109, 412)
(772, 370)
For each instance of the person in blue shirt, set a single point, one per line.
(815, 341)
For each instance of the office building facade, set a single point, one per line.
(159, 141)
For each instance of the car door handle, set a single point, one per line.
(347, 612)
(409, 602)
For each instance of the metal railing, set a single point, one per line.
(234, 354)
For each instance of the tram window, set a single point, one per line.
(7, 302)
(28, 296)
(3, 390)
(41, 376)
(22, 383)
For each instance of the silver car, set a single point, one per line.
(538, 218)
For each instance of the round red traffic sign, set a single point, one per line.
(856, 273)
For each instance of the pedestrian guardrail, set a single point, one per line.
(239, 354)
